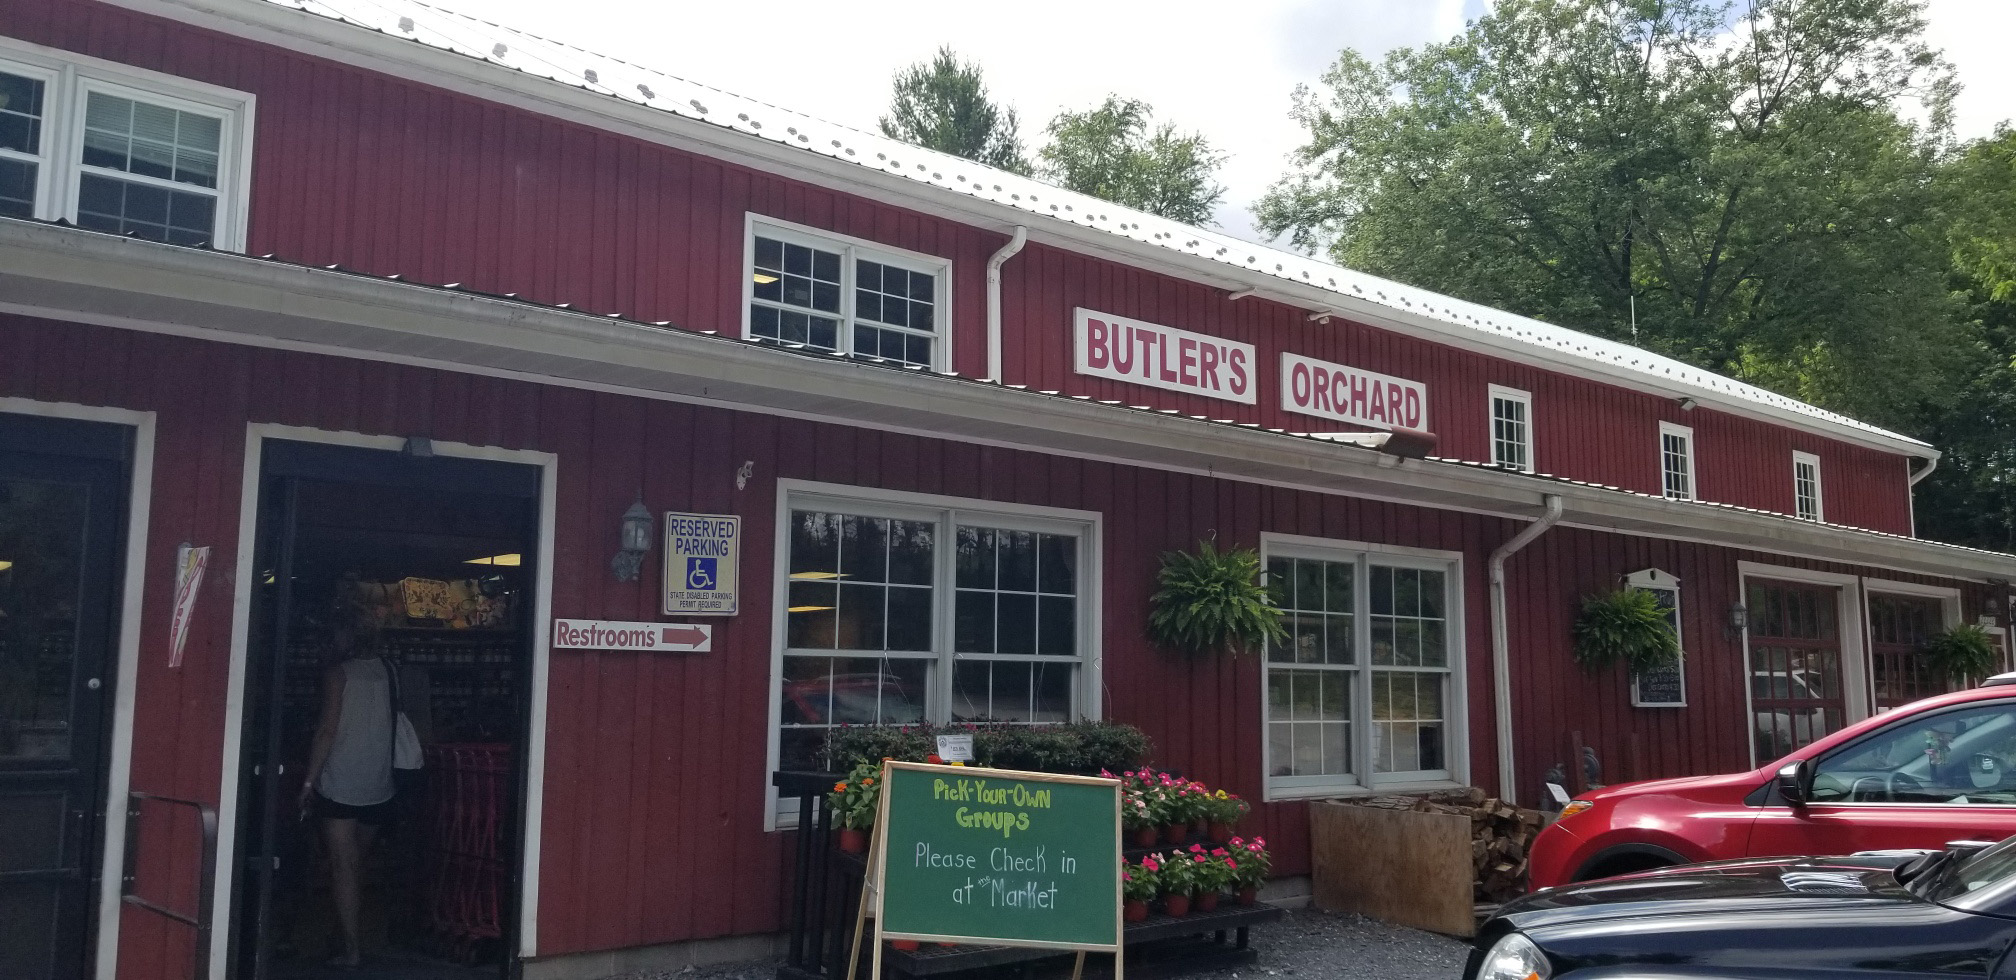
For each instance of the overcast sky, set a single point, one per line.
(1224, 68)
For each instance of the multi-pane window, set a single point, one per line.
(1806, 486)
(1361, 690)
(121, 152)
(1512, 428)
(23, 100)
(836, 295)
(900, 614)
(1676, 460)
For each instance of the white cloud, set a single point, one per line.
(1975, 35)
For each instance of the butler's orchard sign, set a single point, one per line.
(1143, 353)
(1348, 394)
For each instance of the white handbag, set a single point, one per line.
(405, 741)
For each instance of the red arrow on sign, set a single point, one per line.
(685, 636)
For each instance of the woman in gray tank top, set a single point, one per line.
(349, 785)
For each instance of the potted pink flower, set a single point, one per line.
(1249, 862)
(1138, 885)
(1177, 875)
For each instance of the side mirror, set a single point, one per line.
(1795, 782)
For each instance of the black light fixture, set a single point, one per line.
(1739, 620)
(636, 542)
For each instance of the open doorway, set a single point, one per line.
(391, 579)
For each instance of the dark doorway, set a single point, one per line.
(62, 531)
(423, 566)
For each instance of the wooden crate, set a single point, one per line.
(1399, 866)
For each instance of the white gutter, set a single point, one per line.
(1931, 463)
(1501, 653)
(994, 298)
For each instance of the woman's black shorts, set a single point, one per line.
(375, 815)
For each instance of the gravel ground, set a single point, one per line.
(1305, 945)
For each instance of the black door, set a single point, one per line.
(61, 534)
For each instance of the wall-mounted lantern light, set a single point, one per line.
(636, 542)
(1739, 620)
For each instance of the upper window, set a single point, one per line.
(1806, 486)
(119, 150)
(836, 294)
(900, 612)
(1512, 428)
(1363, 691)
(1676, 460)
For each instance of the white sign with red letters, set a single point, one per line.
(597, 634)
(1108, 346)
(1348, 394)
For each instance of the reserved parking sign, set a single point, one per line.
(702, 553)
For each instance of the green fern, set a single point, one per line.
(1211, 602)
(1627, 626)
(1963, 653)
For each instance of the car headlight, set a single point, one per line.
(1574, 807)
(1514, 958)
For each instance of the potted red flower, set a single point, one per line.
(1138, 884)
(1223, 811)
(1249, 863)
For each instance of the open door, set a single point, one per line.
(435, 555)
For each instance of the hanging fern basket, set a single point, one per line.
(1212, 602)
(1963, 653)
(1626, 626)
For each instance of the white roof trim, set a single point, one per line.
(502, 64)
(66, 273)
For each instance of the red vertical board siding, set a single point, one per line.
(388, 176)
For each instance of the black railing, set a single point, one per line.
(206, 872)
(822, 901)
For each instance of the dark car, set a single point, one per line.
(1877, 916)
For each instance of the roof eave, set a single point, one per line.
(323, 37)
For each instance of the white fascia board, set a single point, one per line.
(64, 273)
(350, 44)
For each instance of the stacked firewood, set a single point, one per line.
(1500, 835)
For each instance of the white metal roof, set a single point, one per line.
(531, 54)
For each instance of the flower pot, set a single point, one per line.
(1206, 902)
(1221, 833)
(1145, 836)
(1248, 895)
(1135, 911)
(1177, 906)
(903, 944)
(853, 841)
(1200, 826)
(1175, 833)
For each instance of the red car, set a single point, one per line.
(1925, 774)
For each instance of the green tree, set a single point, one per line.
(942, 104)
(1117, 152)
(1971, 498)
(1750, 181)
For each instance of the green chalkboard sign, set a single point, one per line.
(994, 855)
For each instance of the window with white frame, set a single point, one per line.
(1363, 691)
(837, 294)
(898, 613)
(120, 150)
(1676, 460)
(1512, 428)
(1661, 688)
(1806, 487)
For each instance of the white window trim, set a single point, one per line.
(1087, 525)
(1650, 579)
(69, 77)
(1525, 398)
(1851, 620)
(1364, 783)
(1693, 466)
(941, 347)
(1819, 493)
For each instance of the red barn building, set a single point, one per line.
(392, 309)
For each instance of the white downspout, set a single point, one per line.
(1501, 653)
(1931, 463)
(994, 299)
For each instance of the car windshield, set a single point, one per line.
(1985, 868)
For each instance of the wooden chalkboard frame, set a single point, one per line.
(873, 893)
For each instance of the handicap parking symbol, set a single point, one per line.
(700, 573)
